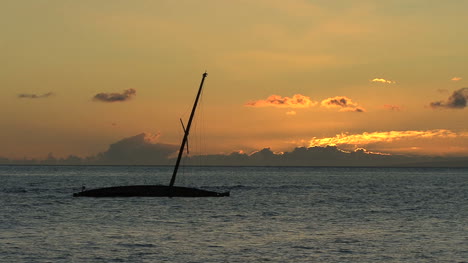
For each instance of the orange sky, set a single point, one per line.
(389, 76)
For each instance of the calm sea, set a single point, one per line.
(273, 215)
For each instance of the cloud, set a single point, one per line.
(378, 137)
(365, 151)
(438, 142)
(457, 100)
(323, 156)
(392, 107)
(297, 101)
(139, 149)
(339, 101)
(114, 97)
(345, 103)
(383, 81)
(357, 109)
(301, 101)
(145, 149)
(34, 96)
(456, 79)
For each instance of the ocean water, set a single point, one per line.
(274, 214)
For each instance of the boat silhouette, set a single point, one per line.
(159, 190)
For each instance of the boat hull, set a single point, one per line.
(148, 191)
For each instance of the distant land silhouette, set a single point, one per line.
(326, 156)
(159, 154)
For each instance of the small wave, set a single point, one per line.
(18, 190)
(135, 245)
(303, 247)
(239, 186)
(345, 241)
(270, 213)
(255, 187)
(229, 187)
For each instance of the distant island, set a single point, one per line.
(302, 156)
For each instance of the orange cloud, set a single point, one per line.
(383, 81)
(297, 101)
(376, 137)
(291, 113)
(365, 151)
(456, 79)
(345, 103)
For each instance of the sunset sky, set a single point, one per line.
(388, 76)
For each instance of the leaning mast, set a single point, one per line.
(186, 131)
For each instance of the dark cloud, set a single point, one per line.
(338, 101)
(115, 97)
(297, 101)
(303, 156)
(457, 100)
(345, 103)
(392, 107)
(141, 149)
(357, 109)
(34, 96)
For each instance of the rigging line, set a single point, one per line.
(199, 136)
(186, 155)
(186, 134)
(202, 130)
(183, 174)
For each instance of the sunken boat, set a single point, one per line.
(159, 190)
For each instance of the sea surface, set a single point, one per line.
(274, 214)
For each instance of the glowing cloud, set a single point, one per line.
(115, 97)
(291, 113)
(365, 151)
(458, 100)
(35, 96)
(345, 103)
(376, 137)
(383, 81)
(297, 101)
(456, 79)
(339, 101)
